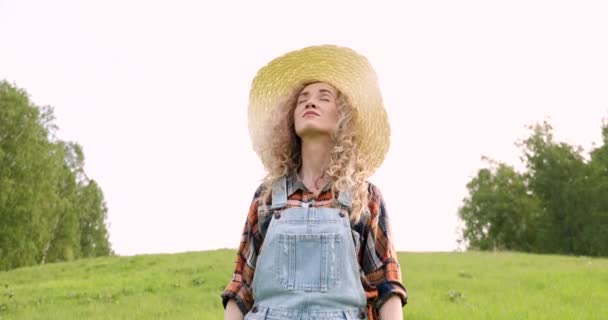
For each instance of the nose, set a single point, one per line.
(310, 104)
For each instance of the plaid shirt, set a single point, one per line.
(381, 277)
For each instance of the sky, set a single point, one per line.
(156, 92)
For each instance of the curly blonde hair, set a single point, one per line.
(346, 170)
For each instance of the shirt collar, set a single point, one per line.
(294, 184)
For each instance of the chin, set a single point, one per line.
(312, 131)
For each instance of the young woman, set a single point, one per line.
(317, 241)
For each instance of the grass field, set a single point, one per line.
(468, 286)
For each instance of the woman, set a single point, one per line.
(317, 241)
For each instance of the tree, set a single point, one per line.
(94, 234)
(27, 175)
(558, 205)
(500, 212)
(557, 175)
(64, 245)
(595, 231)
(49, 209)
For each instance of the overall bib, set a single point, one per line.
(307, 268)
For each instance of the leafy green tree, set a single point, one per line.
(557, 175)
(558, 205)
(49, 209)
(64, 244)
(500, 212)
(94, 240)
(595, 231)
(28, 171)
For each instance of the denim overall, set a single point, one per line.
(307, 268)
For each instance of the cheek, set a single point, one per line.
(333, 115)
(296, 121)
(296, 124)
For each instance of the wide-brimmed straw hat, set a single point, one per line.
(345, 69)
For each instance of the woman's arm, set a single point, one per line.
(232, 311)
(380, 262)
(391, 309)
(238, 297)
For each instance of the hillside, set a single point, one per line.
(470, 285)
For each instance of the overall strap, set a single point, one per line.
(279, 193)
(345, 199)
(279, 200)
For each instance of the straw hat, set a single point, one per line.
(347, 71)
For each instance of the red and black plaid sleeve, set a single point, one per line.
(378, 256)
(239, 287)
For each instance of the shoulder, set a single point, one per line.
(259, 191)
(373, 192)
(376, 204)
(259, 195)
(374, 199)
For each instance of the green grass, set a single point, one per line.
(468, 286)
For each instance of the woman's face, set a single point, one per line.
(316, 112)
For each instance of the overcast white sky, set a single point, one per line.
(156, 92)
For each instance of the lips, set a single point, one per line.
(310, 113)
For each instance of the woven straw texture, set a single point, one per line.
(347, 71)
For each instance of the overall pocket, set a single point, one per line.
(308, 262)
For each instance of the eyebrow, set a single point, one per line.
(306, 93)
(326, 91)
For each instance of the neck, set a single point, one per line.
(315, 159)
